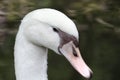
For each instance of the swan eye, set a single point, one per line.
(54, 29)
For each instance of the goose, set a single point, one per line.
(44, 29)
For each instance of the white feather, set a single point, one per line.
(35, 35)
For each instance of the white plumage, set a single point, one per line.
(36, 35)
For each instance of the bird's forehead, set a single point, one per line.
(55, 19)
(61, 21)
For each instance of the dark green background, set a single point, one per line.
(98, 22)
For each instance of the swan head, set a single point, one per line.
(54, 30)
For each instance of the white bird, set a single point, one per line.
(39, 31)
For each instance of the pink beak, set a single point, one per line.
(72, 53)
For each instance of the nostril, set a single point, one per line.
(74, 52)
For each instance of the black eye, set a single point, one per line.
(54, 29)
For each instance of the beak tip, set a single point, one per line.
(76, 60)
(91, 74)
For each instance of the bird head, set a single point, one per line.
(54, 30)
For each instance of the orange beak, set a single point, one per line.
(72, 53)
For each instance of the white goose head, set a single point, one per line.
(54, 30)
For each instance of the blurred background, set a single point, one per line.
(98, 22)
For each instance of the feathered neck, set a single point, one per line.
(30, 60)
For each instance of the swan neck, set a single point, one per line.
(30, 60)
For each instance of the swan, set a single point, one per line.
(44, 29)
